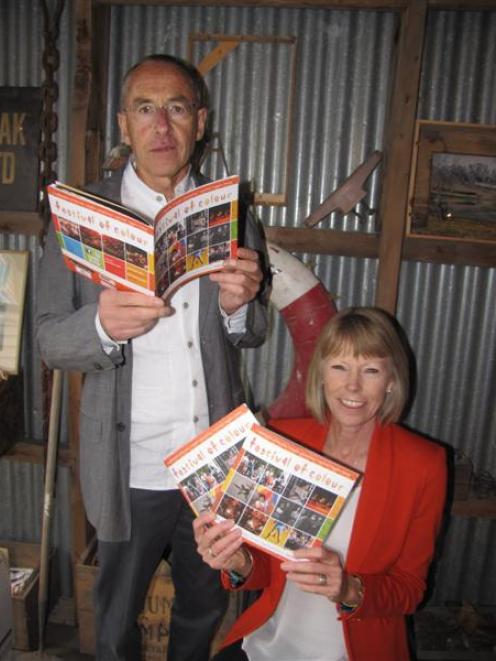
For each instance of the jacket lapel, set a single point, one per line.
(110, 187)
(372, 503)
(208, 297)
(208, 290)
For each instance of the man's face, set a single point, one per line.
(162, 141)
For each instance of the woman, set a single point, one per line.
(346, 600)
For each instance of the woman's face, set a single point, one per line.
(355, 387)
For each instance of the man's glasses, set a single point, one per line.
(148, 113)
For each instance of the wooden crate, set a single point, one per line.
(6, 624)
(25, 604)
(154, 621)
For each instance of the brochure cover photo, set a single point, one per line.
(283, 495)
(113, 245)
(201, 466)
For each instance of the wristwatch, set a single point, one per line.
(236, 579)
(345, 606)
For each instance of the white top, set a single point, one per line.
(169, 397)
(305, 626)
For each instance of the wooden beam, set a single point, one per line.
(310, 4)
(473, 5)
(317, 4)
(477, 507)
(216, 55)
(34, 453)
(324, 242)
(450, 251)
(357, 244)
(242, 38)
(398, 152)
(20, 222)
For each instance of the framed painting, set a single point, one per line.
(13, 276)
(453, 182)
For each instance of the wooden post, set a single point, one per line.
(398, 152)
(87, 128)
(77, 176)
(81, 92)
(97, 102)
(89, 92)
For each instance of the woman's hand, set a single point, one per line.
(319, 570)
(220, 544)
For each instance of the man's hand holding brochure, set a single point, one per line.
(193, 234)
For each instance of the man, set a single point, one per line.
(155, 374)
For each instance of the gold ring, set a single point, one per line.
(211, 553)
(322, 579)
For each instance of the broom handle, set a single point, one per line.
(48, 500)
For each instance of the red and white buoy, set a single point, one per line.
(305, 306)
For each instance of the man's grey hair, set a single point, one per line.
(188, 69)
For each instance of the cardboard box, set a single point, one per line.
(25, 604)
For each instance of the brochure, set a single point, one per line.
(115, 246)
(201, 466)
(281, 494)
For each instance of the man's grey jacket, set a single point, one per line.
(67, 337)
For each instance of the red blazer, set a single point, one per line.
(392, 542)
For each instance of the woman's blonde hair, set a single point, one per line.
(365, 331)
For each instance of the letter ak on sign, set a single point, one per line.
(20, 111)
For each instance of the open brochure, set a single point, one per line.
(281, 494)
(113, 245)
(201, 466)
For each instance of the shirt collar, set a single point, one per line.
(140, 197)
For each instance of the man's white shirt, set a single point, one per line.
(169, 396)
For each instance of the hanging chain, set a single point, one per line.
(50, 94)
(48, 146)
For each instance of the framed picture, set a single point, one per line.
(453, 182)
(13, 276)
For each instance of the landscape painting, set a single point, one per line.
(454, 193)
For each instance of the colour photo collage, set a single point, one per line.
(194, 242)
(284, 511)
(202, 488)
(115, 256)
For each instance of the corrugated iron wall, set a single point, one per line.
(343, 73)
(449, 312)
(343, 77)
(21, 484)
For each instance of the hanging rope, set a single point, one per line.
(50, 95)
